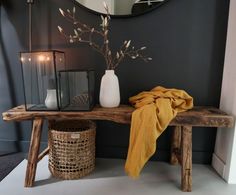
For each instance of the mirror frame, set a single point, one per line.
(120, 16)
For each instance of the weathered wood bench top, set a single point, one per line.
(198, 116)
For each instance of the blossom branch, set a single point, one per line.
(84, 33)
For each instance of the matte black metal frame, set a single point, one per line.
(54, 64)
(91, 106)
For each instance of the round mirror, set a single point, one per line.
(121, 7)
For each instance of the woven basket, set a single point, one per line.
(71, 148)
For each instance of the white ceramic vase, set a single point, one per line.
(109, 96)
(51, 99)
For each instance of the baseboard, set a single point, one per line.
(218, 165)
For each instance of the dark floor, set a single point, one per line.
(8, 161)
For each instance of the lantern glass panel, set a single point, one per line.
(81, 90)
(40, 79)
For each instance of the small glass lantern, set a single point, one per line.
(40, 71)
(81, 90)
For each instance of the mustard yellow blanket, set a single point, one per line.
(154, 111)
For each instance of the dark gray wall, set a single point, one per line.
(186, 39)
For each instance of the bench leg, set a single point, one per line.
(175, 145)
(186, 168)
(33, 152)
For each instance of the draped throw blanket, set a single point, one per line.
(154, 111)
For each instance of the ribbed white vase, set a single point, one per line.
(109, 96)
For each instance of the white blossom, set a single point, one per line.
(105, 21)
(117, 55)
(76, 33)
(128, 44)
(62, 12)
(106, 32)
(60, 29)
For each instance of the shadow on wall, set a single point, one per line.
(8, 94)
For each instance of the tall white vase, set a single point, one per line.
(109, 96)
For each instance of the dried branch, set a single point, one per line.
(84, 33)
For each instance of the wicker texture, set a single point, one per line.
(71, 148)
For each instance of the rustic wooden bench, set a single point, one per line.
(181, 146)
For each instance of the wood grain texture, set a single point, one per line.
(198, 116)
(43, 153)
(186, 153)
(33, 152)
(175, 145)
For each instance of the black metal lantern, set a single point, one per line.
(76, 90)
(40, 78)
